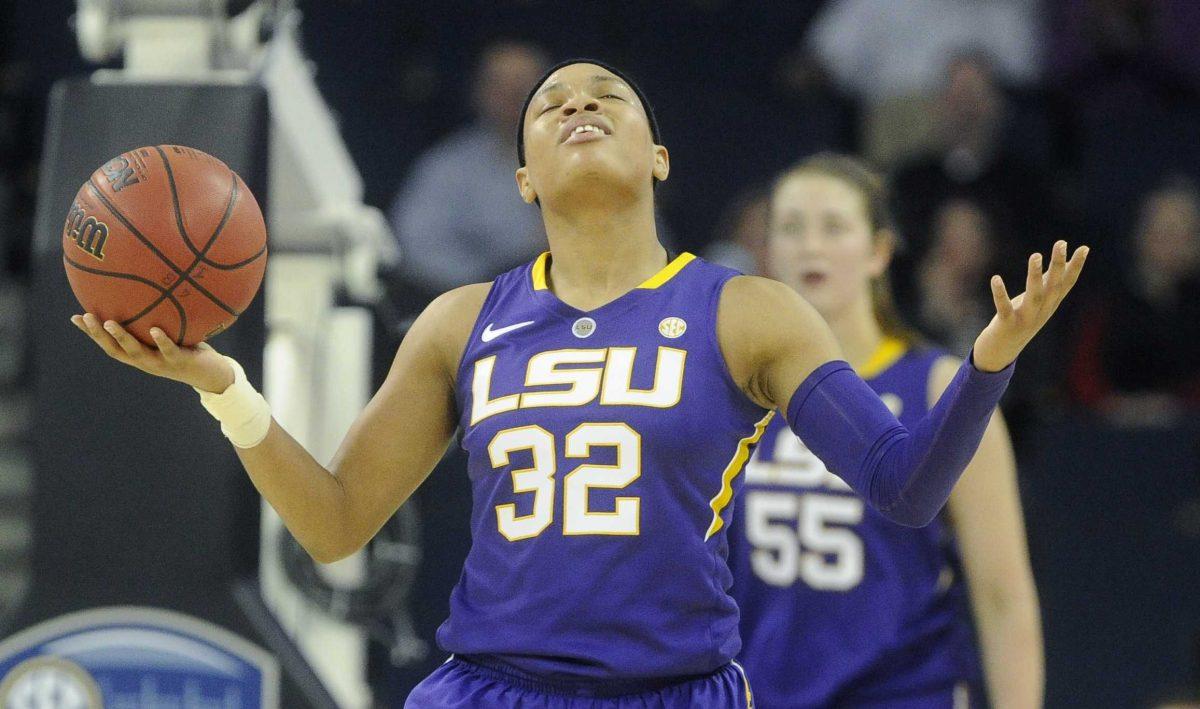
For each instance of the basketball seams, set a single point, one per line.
(114, 274)
(145, 281)
(233, 197)
(112, 209)
(239, 264)
(183, 231)
(234, 193)
(175, 199)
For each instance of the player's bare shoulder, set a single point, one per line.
(756, 314)
(456, 309)
(744, 296)
(768, 332)
(443, 328)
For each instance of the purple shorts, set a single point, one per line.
(462, 684)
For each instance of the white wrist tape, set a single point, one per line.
(244, 414)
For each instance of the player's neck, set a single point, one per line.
(858, 332)
(598, 255)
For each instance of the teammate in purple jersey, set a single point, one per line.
(608, 395)
(840, 606)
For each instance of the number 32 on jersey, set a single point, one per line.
(578, 518)
(606, 380)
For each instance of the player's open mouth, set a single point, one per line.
(582, 131)
(813, 278)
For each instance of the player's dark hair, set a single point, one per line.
(581, 60)
(871, 185)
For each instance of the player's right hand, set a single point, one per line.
(200, 366)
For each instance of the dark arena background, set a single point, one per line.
(379, 137)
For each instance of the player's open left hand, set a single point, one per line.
(1018, 319)
(200, 366)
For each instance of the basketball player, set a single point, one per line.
(839, 605)
(608, 395)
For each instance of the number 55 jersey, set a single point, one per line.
(840, 605)
(604, 451)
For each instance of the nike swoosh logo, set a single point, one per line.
(489, 334)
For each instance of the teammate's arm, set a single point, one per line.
(389, 451)
(783, 355)
(985, 509)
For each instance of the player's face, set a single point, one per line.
(821, 242)
(587, 134)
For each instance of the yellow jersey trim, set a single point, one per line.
(538, 272)
(668, 272)
(740, 456)
(887, 354)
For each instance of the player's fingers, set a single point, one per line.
(169, 350)
(91, 325)
(1058, 267)
(1074, 268)
(1053, 278)
(1004, 307)
(79, 322)
(1033, 281)
(127, 342)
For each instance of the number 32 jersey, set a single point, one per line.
(604, 449)
(839, 604)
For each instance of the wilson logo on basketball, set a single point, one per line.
(88, 233)
(119, 173)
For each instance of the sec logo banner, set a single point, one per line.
(129, 656)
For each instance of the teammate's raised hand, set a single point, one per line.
(200, 366)
(1018, 319)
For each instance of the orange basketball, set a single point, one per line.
(165, 236)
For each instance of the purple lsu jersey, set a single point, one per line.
(604, 450)
(839, 605)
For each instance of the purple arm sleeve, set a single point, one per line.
(905, 474)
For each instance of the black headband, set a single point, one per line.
(623, 76)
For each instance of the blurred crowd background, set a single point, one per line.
(1002, 125)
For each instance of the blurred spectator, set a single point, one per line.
(879, 49)
(458, 217)
(1137, 352)
(973, 157)
(955, 303)
(1126, 73)
(740, 239)
(1096, 40)
(892, 55)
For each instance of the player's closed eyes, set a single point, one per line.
(551, 107)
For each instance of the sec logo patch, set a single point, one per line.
(672, 327)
